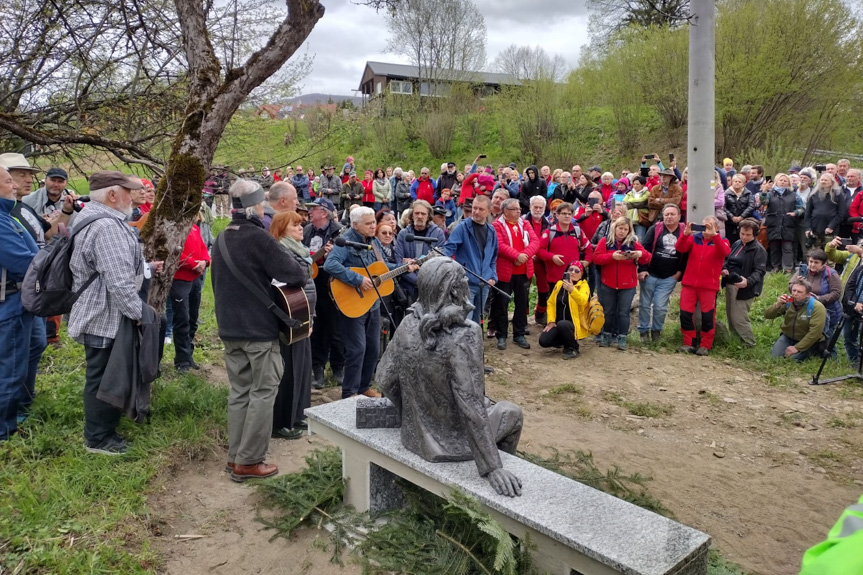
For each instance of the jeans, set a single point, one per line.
(169, 314)
(195, 305)
(179, 298)
(15, 335)
(518, 286)
(562, 334)
(100, 418)
(640, 231)
(783, 342)
(363, 339)
(851, 335)
(616, 304)
(655, 293)
(38, 343)
(478, 295)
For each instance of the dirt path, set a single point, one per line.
(764, 470)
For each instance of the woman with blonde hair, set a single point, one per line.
(618, 256)
(295, 388)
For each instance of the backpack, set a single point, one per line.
(810, 305)
(47, 286)
(595, 316)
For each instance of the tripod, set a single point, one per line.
(831, 344)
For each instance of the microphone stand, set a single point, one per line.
(477, 276)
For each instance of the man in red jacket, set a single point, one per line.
(193, 261)
(707, 252)
(516, 245)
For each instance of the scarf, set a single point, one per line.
(296, 247)
(380, 181)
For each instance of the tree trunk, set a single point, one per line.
(213, 99)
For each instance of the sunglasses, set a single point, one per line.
(387, 233)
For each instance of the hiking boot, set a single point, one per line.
(371, 392)
(339, 375)
(521, 342)
(605, 340)
(112, 445)
(570, 353)
(285, 433)
(257, 471)
(621, 342)
(317, 378)
(645, 337)
(540, 318)
(655, 335)
(301, 424)
(685, 349)
(229, 467)
(501, 343)
(702, 351)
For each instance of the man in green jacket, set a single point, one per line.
(803, 324)
(842, 552)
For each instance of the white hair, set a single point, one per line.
(537, 200)
(101, 194)
(443, 167)
(359, 212)
(398, 172)
(609, 174)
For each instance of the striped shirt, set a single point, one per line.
(110, 249)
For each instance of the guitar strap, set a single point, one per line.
(377, 252)
(255, 290)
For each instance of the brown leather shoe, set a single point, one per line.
(370, 392)
(256, 471)
(229, 467)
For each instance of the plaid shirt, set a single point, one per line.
(110, 249)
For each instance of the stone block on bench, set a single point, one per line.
(374, 412)
(577, 530)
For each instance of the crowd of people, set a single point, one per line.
(584, 239)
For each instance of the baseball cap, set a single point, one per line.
(322, 203)
(108, 178)
(512, 165)
(440, 211)
(57, 173)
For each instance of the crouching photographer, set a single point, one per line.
(743, 278)
(803, 324)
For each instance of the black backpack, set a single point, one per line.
(47, 287)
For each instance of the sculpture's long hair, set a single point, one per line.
(443, 299)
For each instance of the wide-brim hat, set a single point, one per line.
(668, 172)
(13, 161)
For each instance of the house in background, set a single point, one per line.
(381, 78)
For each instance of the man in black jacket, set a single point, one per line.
(532, 186)
(743, 278)
(249, 329)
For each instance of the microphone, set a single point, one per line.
(850, 220)
(342, 242)
(425, 240)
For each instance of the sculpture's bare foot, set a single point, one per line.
(504, 482)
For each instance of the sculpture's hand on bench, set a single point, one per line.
(504, 482)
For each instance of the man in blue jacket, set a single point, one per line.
(473, 242)
(17, 249)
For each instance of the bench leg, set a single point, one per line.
(369, 487)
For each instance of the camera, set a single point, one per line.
(733, 278)
(649, 156)
(79, 203)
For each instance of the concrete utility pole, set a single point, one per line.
(701, 142)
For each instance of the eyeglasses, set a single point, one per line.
(513, 209)
(387, 233)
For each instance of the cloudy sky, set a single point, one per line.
(349, 35)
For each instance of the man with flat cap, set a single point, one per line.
(108, 249)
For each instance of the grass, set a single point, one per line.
(66, 511)
(566, 388)
(642, 409)
(779, 372)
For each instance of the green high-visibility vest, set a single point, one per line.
(842, 552)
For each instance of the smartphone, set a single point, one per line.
(670, 157)
(803, 270)
(698, 227)
(592, 201)
(482, 155)
(626, 249)
(768, 178)
(649, 156)
(845, 242)
(566, 276)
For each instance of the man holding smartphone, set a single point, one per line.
(803, 325)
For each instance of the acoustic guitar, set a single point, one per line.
(319, 255)
(354, 301)
(294, 303)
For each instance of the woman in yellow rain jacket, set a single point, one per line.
(567, 312)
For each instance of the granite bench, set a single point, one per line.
(577, 530)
